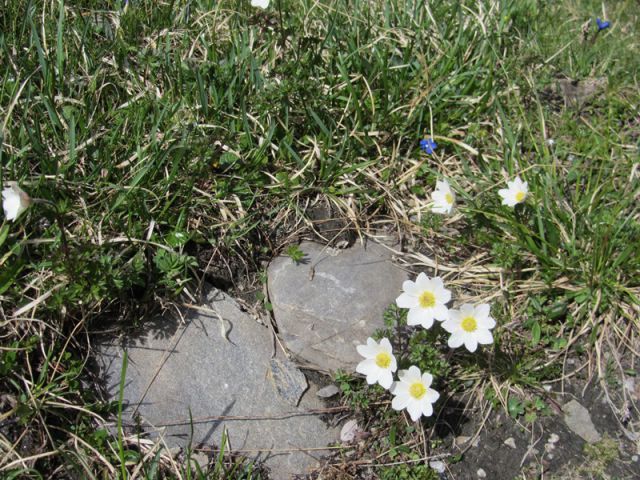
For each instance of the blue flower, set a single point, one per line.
(428, 145)
(602, 25)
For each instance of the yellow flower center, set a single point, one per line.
(427, 299)
(469, 324)
(449, 198)
(520, 196)
(417, 390)
(383, 360)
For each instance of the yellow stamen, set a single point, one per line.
(417, 390)
(469, 324)
(383, 360)
(427, 299)
(520, 196)
(449, 198)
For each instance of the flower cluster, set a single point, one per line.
(443, 199)
(426, 299)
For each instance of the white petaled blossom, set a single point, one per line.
(470, 325)
(412, 392)
(443, 198)
(379, 363)
(14, 201)
(426, 299)
(516, 193)
(260, 3)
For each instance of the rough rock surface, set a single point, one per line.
(333, 300)
(579, 421)
(176, 369)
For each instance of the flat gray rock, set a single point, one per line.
(175, 370)
(332, 301)
(579, 421)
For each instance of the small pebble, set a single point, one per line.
(553, 438)
(481, 473)
(438, 466)
(635, 458)
(510, 442)
(461, 440)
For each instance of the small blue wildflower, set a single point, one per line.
(602, 24)
(428, 145)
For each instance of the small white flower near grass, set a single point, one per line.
(412, 391)
(516, 193)
(14, 201)
(426, 299)
(443, 198)
(379, 363)
(260, 3)
(470, 326)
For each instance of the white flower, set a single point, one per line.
(379, 363)
(412, 392)
(470, 325)
(426, 299)
(14, 201)
(260, 3)
(443, 198)
(516, 193)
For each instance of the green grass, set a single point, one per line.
(172, 128)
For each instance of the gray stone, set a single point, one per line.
(328, 391)
(177, 370)
(579, 421)
(332, 301)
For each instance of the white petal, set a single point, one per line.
(415, 410)
(367, 367)
(443, 295)
(410, 287)
(414, 373)
(467, 310)
(400, 402)
(260, 3)
(484, 337)
(471, 343)
(441, 209)
(451, 325)
(385, 380)
(440, 312)
(420, 316)
(394, 365)
(455, 340)
(442, 185)
(486, 323)
(403, 376)
(366, 351)
(426, 409)
(427, 379)
(422, 281)
(406, 301)
(432, 396)
(482, 311)
(385, 345)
